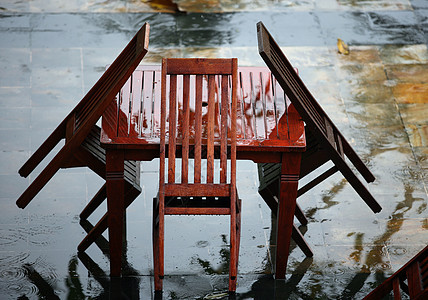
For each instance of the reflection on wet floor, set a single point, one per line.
(377, 95)
(209, 6)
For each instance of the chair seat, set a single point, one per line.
(205, 202)
(199, 205)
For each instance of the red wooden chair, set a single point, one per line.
(412, 278)
(202, 127)
(324, 140)
(82, 137)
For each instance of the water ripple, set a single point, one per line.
(47, 271)
(42, 234)
(11, 236)
(14, 275)
(11, 266)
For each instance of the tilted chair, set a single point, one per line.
(204, 130)
(324, 140)
(82, 137)
(412, 278)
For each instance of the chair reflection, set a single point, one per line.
(126, 287)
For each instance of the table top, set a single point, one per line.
(266, 120)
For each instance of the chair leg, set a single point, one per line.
(96, 201)
(300, 215)
(234, 245)
(94, 234)
(238, 235)
(271, 200)
(233, 259)
(115, 183)
(102, 224)
(297, 236)
(158, 251)
(238, 229)
(286, 206)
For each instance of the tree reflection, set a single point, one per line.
(223, 267)
(75, 289)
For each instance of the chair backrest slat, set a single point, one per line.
(125, 95)
(233, 127)
(224, 135)
(198, 129)
(210, 131)
(135, 109)
(172, 128)
(185, 132)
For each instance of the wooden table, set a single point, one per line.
(269, 130)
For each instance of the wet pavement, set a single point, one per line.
(52, 52)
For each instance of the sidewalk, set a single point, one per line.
(51, 53)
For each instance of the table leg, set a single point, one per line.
(115, 182)
(290, 170)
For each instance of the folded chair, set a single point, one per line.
(324, 140)
(204, 129)
(412, 278)
(82, 137)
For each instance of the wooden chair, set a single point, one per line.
(412, 278)
(82, 137)
(205, 128)
(324, 140)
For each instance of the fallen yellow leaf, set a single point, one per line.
(342, 47)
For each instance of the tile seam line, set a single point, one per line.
(407, 135)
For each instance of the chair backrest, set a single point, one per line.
(312, 113)
(199, 125)
(78, 124)
(327, 134)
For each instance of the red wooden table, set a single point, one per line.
(269, 130)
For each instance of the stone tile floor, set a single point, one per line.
(51, 53)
